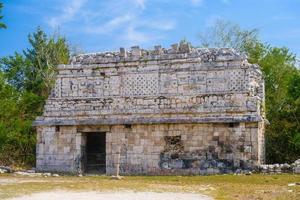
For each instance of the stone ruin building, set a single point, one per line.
(181, 110)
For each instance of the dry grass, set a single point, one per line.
(220, 187)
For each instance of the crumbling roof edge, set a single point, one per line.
(181, 51)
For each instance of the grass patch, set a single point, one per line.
(219, 186)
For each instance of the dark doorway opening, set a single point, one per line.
(95, 156)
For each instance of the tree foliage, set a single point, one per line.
(25, 82)
(45, 54)
(227, 34)
(2, 25)
(17, 136)
(282, 87)
(281, 83)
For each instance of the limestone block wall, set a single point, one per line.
(206, 148)
(146, 149)
(58, 149)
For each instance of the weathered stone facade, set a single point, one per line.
(180, 110)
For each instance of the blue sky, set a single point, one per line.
(104, 25)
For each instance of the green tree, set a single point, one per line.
(2, 25)
(15, 68)
(17, 136)
(228, 34)
(44, 55)
(25, 83)
(283, 131)
(282, 85)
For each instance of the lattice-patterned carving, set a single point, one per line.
(236, 80)
(139, 84)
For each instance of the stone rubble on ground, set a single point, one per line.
(281, 168)
(24, 173)
(293, 184)
(116, 177)
(4, 169)
(267, 168)
(30, 172)
(33, 174)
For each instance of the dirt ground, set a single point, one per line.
(112, 196)
(219, 187)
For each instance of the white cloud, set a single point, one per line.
(140, 3)
(196, 2)
(111, 25)
(143, 31)
(136, 37)
(68, 13)
(124, 21)
(164, 24)
(131, 29)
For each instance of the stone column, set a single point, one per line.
(78, 154)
